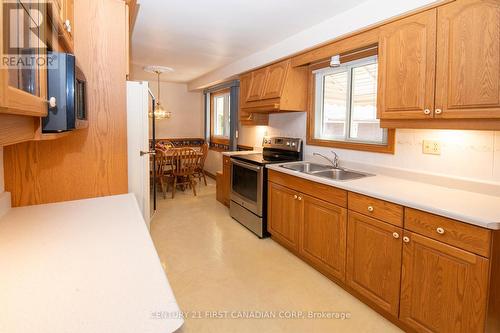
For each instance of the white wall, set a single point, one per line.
(363, 15)
(187, 119)
(464, 154)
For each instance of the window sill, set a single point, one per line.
(384, 149)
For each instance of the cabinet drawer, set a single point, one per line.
(462, 235)
(379, 209)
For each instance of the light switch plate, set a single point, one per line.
(431, 147)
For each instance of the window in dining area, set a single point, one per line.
(344, 112)
(220, 118)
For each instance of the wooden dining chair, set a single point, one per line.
(199, 170)
(184, 162)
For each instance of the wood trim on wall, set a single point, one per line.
(312, 141)
(213, 138)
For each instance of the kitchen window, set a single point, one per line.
(220, 116)
(345, 108)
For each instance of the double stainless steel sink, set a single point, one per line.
(326, 171)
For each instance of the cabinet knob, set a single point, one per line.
(395, 235)
(406, 239)
(300, 198)
(438, 111)
(371, 209)
(440, 231)
(295, 196)
(427, 111)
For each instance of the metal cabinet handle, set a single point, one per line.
(406, 239)
(395, 235)
(438, 111)
(427, 111)
(295, 196)
(440, 231)
(300, 198)
(371, 209)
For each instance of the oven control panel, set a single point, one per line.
(292, 144)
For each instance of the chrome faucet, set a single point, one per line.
(334, 161)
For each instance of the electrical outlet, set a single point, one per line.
(431, 147)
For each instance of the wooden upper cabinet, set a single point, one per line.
(23, 90)
(323, 235)
(284, 215)
(275, 81)
(407, 67)
(443, 289)
(468, 60)
(374, 260)
(257, 85)
(277, 87)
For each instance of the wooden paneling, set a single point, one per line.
(275, 81)
(443, 289)
(323, 234)
(91, 162)
(317, 190)
(376, 208)
(462, 235)
(468, 59)
(226, 180)
(284, 215)
(374, 260)
(407, 56)
(14, 129)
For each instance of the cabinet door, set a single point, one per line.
(276, 80)
(443, 289)
(407, 67)
(226, 175)
(323, 235)
(374, 260)
(284, 214)
(69, 16)
(468, 60)
(245, 83)
(23, 88)
(257, 84)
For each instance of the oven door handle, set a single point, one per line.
(246, 165)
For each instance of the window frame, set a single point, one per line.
(312, 122)
(217, 138)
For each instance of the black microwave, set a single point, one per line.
(66, 89)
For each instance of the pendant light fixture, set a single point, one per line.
(160, 112)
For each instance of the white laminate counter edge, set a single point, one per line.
(468, 207)
(93, 259)
(5, 203)
(241, 152)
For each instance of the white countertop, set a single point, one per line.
(241, 152)
(82, 266)
(469, 207)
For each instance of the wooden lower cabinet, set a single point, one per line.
(374, 260)
(323, 235)
(443, 288)
(284, 215)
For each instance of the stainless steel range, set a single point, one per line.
(249, 181)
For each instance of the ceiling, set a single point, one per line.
(198, 36)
